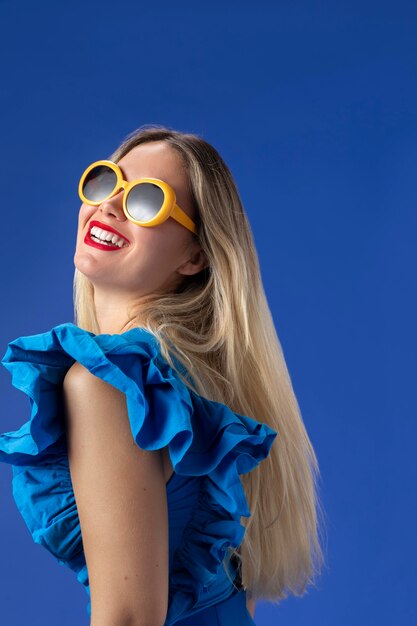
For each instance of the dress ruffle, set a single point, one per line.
(204, 438)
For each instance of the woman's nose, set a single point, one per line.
(113, 206)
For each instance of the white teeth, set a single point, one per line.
(104, 236)
(105, 243)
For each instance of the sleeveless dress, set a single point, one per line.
(209, 445)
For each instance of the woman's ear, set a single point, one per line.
(196, 262)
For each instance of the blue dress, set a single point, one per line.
(209, 447)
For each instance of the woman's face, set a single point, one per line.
(155, 257)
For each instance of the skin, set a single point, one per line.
(120, 489)
(156, 258)
(122, 505)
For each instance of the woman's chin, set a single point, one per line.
(90, 269)
(89, 264)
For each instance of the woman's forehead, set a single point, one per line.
(153, 160)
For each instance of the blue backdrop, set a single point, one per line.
(313, 106)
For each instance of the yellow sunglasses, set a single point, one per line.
(146, 201)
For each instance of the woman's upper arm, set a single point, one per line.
(120, 493)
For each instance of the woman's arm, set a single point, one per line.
(121, 499)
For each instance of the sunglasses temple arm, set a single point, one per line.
(181, 217)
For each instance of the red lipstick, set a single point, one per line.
(102, 246)
(107, 227)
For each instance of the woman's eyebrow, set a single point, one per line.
(136, 177)
(164, 178)
(123, 172)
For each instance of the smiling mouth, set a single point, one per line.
(116, 243)
(108, 237)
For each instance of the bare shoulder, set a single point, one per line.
(78, 374)
(84, 388)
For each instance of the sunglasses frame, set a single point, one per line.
(169, 206)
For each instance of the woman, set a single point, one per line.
(154, 416)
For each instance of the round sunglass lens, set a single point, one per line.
(99, 183)
(144, 201)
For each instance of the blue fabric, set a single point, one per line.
(210, 446)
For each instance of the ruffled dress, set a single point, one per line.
(209, 445)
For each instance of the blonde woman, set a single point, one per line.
(165, 460)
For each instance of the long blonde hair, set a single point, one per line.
(219, 326)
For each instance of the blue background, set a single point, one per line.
(313, 106)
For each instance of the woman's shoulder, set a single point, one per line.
(203, 438)
(162, 408)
